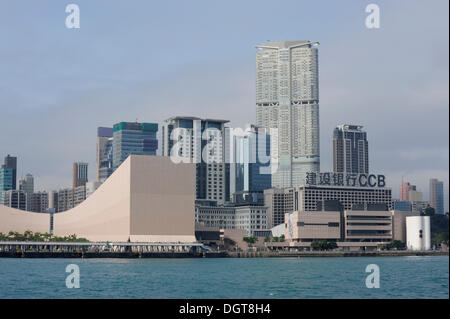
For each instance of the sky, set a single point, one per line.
(150, 60)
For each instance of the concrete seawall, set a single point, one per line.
(129, 255)
(335, 254)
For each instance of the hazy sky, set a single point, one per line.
(149, 60)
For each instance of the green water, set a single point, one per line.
(400, 277)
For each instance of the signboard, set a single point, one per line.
(345, 179)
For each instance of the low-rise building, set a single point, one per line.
(248, 218)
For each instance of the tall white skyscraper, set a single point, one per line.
(287, 98)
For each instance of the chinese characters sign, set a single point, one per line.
(345, 179)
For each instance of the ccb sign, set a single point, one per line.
(342, 179)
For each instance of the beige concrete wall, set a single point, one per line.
(162, 199)
(316, 225)
(103, 216)
(148, 198)
(16, 220)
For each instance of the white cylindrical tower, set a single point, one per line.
(418, 235)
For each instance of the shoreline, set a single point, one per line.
(222, 254)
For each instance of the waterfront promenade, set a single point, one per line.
(13, 249)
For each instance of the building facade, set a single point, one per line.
(250, 171)
(39, 202)
(405, 188)
(15, 199)
(350, 149)
(11, 163)
(80, 174)
(287, 99)
(437, 195)
(309, 198)
(202, 142)
(69, 198)
(133, 138)
(27, 185)
(248, 218)
(104, 153)
(6, 181)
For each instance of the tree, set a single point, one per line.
(266, 239)
(250, 240)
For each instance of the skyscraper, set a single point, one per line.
(350, 150)
(11, 162)
(133, 138)
(6, 181)
(27, 185)
(104, 153)
(80, 174)
(201, 141)
(250, 171)
(437, 195)
(405, 188)
(287, 99)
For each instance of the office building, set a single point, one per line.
(11, 162)
(278, 201)
(437, 195)
(363, 227)
(310, 226)
(133, 138)
(69, 198)
(287, 99)
(350, 150)
(202, 142)
(405, 188)
(104, 153)
(306, 198)
(402, 205)
(27, 185)
(6, 181)
(368, 223)
(15, 199)
(38, 202)
(248, 218)
(250, 171)
(415, 196)
(80, 174)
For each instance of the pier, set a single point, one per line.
(20, 249)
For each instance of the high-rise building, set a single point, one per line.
(11, 162)
(6, 181)
(203, 142)
(405, 187)
(133, 138)
(250, 171)
(27, 185)
(350, 149)
(437, 195)
(80, 174)
(38, 202)
(15, 199)
(104, 153)
(287, 99)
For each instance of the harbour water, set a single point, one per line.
(400, 277)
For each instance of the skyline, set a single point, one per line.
(370, 81)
